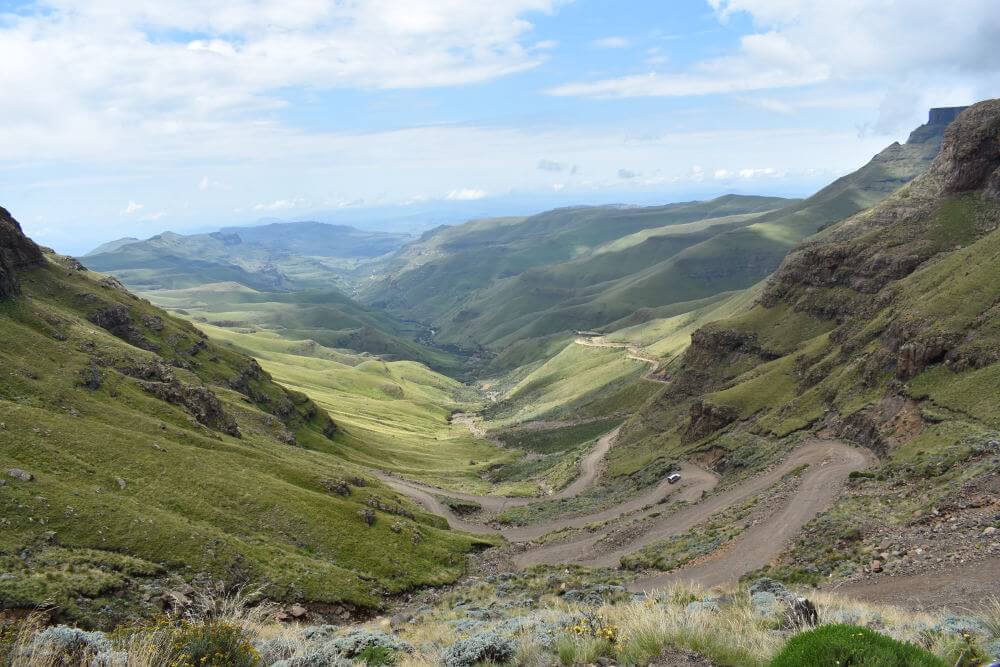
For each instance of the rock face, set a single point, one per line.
(970, 154)
(706, 418)
(203, 405)
(17, 252)
(117, 320)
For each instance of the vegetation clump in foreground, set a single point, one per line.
(542, 617)
(851, 645)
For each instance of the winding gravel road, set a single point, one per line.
(828, 462)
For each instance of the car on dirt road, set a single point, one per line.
(674, 478)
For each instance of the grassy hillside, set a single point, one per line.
(519, 282)
(391, 416)
(882, 330)
(137, 453)
(494, 279)
(326, 316)
(281, 255)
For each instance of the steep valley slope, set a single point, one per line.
(866, 366)
(881, 331)
(516, 285)
(138, 454)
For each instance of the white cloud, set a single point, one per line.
(758, 173)
(802, 42)
(89, 71)
(721, 174)
(613, 42)
(132, 208)
(468, 194)
(153, 217)
(279, 205)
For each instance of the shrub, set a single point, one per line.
(357, 642)
(850, 645)
(484, 647)
(377, 655)
(214, 644)
(63, 645)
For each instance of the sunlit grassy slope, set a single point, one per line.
(516, 285)
(505, 282)
(117, 471)
(393, 416)
(328, 317)
(895, 304)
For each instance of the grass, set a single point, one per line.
(578, 383)
(534, 610)
(327, 317)
(190, 499)
(850, 645)
(393, 415)
(559, 439)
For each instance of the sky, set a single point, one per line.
(131, 117)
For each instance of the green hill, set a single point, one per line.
(518, 280)
(516, 285)
(882, 330)
(326, 316)
(293, 255)
(137, 453)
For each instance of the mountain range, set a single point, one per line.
(339, 417)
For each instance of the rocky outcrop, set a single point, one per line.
(117, 320)
(970, 154)
(706, 418)
(721, 342)
(203, 405)
(17, 252)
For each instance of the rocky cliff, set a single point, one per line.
(17, 252)
(859, 311)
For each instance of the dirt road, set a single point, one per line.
(590, 469)
(828, 464)
(631, 352)
(960, 588)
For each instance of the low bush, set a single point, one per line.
(849, 645)
(214, 644)
(484, 647)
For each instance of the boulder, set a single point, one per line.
(22, 475)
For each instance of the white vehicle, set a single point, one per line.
(674, 478)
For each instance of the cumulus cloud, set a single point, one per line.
(467, 194)
(758, 173)
(800, 43)
(132, 208)
(278, 205)
(88, 71)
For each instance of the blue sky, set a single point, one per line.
(131, 117)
